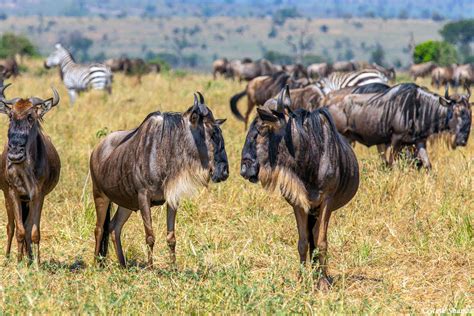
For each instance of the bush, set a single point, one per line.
(312, 59)
(11, 44)
(280, 16)
(278, 58)
(442, 53)
(378, 55)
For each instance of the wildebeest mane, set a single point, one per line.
(371, 88)
(135, 130)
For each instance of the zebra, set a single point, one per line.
(339, 80)
(77, 77)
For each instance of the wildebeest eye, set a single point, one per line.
(30, 118)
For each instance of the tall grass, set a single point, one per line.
(404, 244)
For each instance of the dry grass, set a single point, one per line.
(404, 244)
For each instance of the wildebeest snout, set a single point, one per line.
(221, 172)
(16, 153)
(249, 170)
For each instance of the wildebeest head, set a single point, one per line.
(460, 116)
(266, 131)
(24, 115)
(55, 58)
(208, 138)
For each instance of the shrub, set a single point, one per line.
(277, 57)
(442, 53)
(11, 44)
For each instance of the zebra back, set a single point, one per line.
(338, 80)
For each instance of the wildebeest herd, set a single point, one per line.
(298, 144)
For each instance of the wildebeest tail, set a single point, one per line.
(233, 105)
(104, 242)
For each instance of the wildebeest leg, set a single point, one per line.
(382, 150)
(170, 237)
(72, 96)
(312, 219)
(144, 205)
(10, 225)
(302, 224)
(119, 219)
(394, 150)
(20, 228)
(422, 154)
(320, 232)
(33, 229)
(101, 209)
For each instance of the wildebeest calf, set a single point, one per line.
(302, 155)
(29, 170)
(165, 158)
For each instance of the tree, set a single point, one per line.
(278, 58)
(378, 55)
(460, 33)
(11, 44)
(281, 15)
(442, 53)
(301, 43)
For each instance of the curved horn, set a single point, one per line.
(201, 97)
(468, 90)
(2, 90)
(55, 96)
(446, 92)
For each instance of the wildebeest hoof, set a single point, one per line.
(324, 284)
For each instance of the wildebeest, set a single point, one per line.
(10, 67)
(403, 115)
(344, 66)
(301, 154)
(388, 72)
(319, 70)
(29, 170)
(262, 88)
(77, 77)
(421, 70)
(250, 70)
(168, 156)
(463, 75)
(441, 76)
(219, 66)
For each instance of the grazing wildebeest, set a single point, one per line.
(77, 77)
(10, 67)
(29, 170)
(388, 72)
(302, 155)
(219, 66)
(463, 75)
(421, 70)
(441, 76)
(250, 70)
(319, 70)
(262, 88)
(344, 66)
(404, 115)
(165, 158)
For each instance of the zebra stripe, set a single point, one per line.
(338, 80)
(79, 77)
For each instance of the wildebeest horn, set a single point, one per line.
(284, 99)
(54, 100)
(446, 92)
(466, 86)
(2, 90)
(195, 100)
(201, 97)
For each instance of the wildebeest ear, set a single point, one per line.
(46, 105)
(266, 115)
(196, 103)
(284, 99)
(446, 91)
(444, 101)
(468, 96)
(220, 121)
(201, 97)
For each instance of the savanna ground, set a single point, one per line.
(404, 244)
